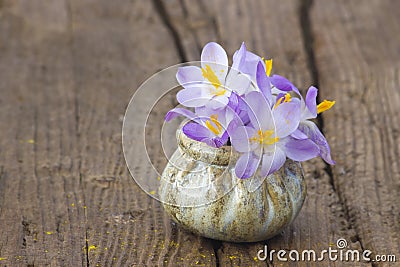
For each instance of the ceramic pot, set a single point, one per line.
(200, 191)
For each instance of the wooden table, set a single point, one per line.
(69, 68)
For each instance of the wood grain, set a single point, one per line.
(360, 69)
(69, 68)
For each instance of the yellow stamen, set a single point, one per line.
(325, 105)
(214, 119)
(210, 75)
(219, 91)
(268, 66)
(264, 137)
(287, 98)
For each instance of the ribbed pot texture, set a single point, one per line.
(201, 192)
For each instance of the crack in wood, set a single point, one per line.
(165, 18)
(308, 41)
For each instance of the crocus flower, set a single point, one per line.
(211, 81)
(309, 110)
(267, 140)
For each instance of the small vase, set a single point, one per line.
(200, 191)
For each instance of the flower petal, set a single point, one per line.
(240, 139)
(300, 150)
(239, 57)
(259, 111)
(272, 162)
(237, 82)
(263, 82)
(283, 84)
(192, 97)
(217, 102)
(246, 165)
(196, 131)
(215, 56)
(246, 62)
(311, 102)
(189, 75)
(173, 113)
(311, 130)
(286, 117)
(299, 135)
(217, 141)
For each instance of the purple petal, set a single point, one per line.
(217, 102)
(272, 162)
(192, 97)
(217, 141)
(173, 113)
(196, 131)
(299, 135)
(259, 111)
(239, 57)
(311, 101)
(286, 117)
(246, 165)
(283, 84)
(215, 56)
(240, 139)
(311, 130)
(238, 83)
(189, 75)
(245, 62)
(263, 82)
(301, 150)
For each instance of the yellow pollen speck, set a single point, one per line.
(2, 259)
(73, 205)
(91, 247)
(84, 207)
(30, 141)
(255, 259)
(325, 105)
(49, 233)
(152, 192)
(264, 137)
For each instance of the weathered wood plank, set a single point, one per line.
(322, 220)
(358, 61)
(121, 45)
(42, 218)
(67, 199)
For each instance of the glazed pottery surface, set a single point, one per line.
(201, 192)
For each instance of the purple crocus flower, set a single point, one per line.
(211, 81)
(310, 110)
(267, 140)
